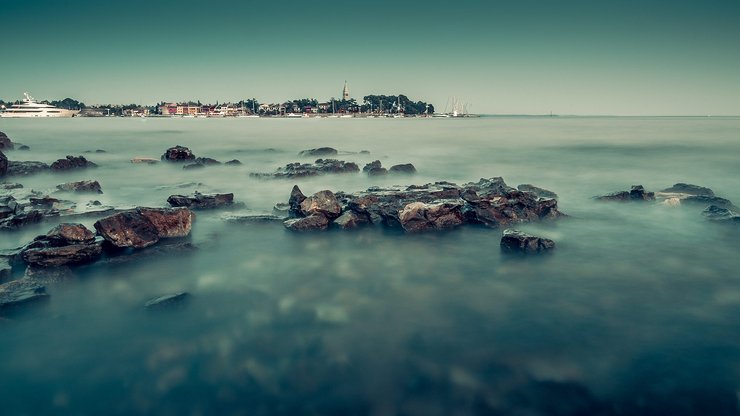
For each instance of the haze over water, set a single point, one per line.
(635, 313)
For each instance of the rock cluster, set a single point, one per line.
(71, 163)
(66, 244)
(202, 201)
(201, 162)
(437, 206)
(178, 154)
(143, 227)
(516, 241)
(320, 167)
(375, 168)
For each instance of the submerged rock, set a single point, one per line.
(167, 301)
(320, 167)
(202, 201)
(147, 160)
(81, 186)
(16, 168)
(406, 168)
(689, 189)
(720, 214)
(10, 185)
(637, 193)
(202, 162)
(21, 219)
(6, 269)
(321, 151)
(178, 154)
(71, 163)
(314, 222)
(5, 142)
(3, 164)
(20, 292)
(520, 242)
(540, 192)
(142, 227)
(23, 147)
(233, 162)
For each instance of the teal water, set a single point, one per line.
(637, 311)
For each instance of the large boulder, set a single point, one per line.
(81, 186)
(405, 168)
(321, 151)
(5, 142)
(310, 223)
(71, 163)
(202, 201)
(294, 203)
(3, 164)
(178, 154)
(20, 292)
(143, 227)
(519, 242)
(321, 203)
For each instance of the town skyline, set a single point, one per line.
(577, 57)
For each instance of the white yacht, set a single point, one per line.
(31, 108)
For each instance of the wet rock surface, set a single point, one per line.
(637, 193)
(375, 168)
(143, 227)
(20, 292)
(86, 186)
(720, 214)
(516, 241)
(689, 189)
(72, 163)
(321, 151)
(405, 168)
(202, 201)
(437, 206)
(3, 164)
(5, 142)
(178, 154)
(311, 223)
(17, 168)
(320, 167)
(165, 302)
(540, 192)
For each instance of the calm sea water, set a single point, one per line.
(636, 313)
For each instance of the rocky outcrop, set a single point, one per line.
(720, 214)
(167, 301)
(66, 244)
(81, 186)
(5, 142)
(21, 219)
(16, 168)
(516, 241)
(689, 189)
(201, 162)
(10, 185)
(178, 154)
(72, 163)
(375, 168)
(321, 151)
(688, 194)
(233, 162)
(637, 193)
(540, 192)
(20, 292)
(437, 206)
(3, 164)
(320, 167)
(405, 168)
(202, 201)
(143, 227)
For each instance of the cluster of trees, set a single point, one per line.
(395, 104)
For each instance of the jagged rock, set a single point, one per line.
(65, 255)
(314, 222)
(178, 154)
(321, 203)
(689, 189)
(320, 167)
(9, 186)
(26, 168)
(321, 151)
(142, 227)
(81, 186)
(202, 201)
(72, 162)
(716, 213)
(520, 242)
(3, 164)
(540, 192)
(20, 292)
(233, 162)
(22, 219)
(294, 203)
(5, 142)
(406, 168)
(637, 193)
(166, 301)
(349, 219)
(420, 216)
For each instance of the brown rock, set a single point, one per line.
(128, 229)
(169, 222)
(323, 203)
(310, 223)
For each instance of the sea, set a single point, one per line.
(636, 311)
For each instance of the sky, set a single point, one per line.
(594, 57)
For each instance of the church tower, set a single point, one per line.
(345, 92)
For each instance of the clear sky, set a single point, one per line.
(621, 57)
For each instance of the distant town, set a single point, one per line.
(346, 106)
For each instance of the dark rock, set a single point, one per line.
(202, 201)
(22, 219)
(294, 203)
(70, 233)
(26, 168)
(23, 147)
(321, 151)
(349, 219)
(207, 161)
(44, 202)
(20, 292)
(716, 213)
(128, 229)
(233, 162)
(193, 166)
(5, 142)
(372, 165)
(6, 270)
(377, 172)
(100, 151)
(71, 163)
(3, 164)
(321, 203)
(255, 218)
(178, 154)
(167, 301)
(81, 186)
(64, 255)
(406, 168)
(9, 186)
(420, 216)
(520, 242)
(364, 152)
(314, 222)
(637, 193)
(540, 192)
(685, 188)
(710, 200)
(320, 167)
